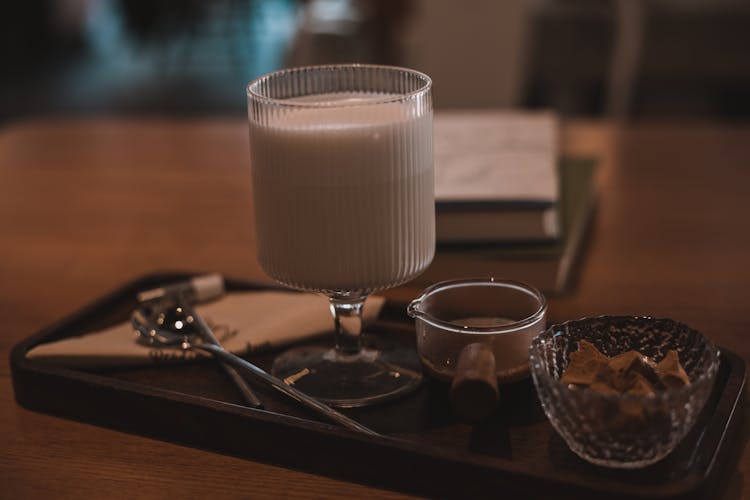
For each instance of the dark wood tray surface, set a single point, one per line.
(425, 449)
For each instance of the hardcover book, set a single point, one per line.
(547, 266)
(496, 178)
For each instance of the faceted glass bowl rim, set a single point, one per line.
(252, 93)
(706, 376)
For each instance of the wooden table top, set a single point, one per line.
(86, 205)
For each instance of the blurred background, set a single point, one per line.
(626, 59)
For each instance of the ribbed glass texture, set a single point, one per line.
(341, 160)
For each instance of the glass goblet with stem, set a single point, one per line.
(343, 194)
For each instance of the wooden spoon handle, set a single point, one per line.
(474, 392)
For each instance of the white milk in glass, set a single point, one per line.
(344, 195)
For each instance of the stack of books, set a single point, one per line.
(507, 205)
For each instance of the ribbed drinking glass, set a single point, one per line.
(343, 189)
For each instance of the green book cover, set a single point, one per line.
(576, 187)
(548, 265)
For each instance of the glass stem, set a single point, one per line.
(347, 319)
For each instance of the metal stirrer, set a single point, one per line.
(170, 305)
(149, 324)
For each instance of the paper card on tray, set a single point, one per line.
(242, 322)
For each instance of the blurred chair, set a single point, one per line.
(640, 58)
(693, 61)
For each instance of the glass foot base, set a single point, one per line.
(350, 380)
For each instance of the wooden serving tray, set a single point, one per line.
(425, 450)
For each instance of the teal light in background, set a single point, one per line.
(197, 65)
